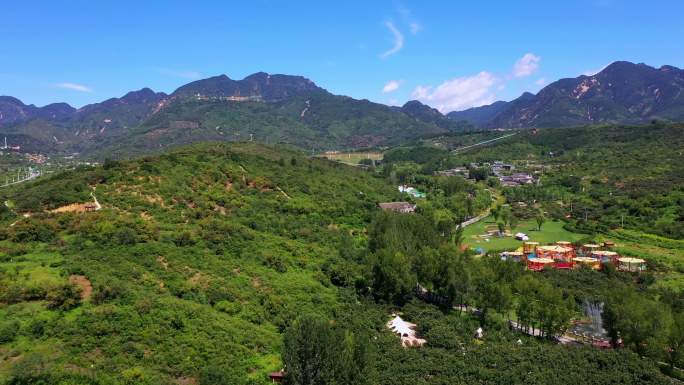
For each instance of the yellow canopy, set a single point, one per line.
(555, 249)
(586, 260)
(604, 253)
(631, 260)
(513, 253)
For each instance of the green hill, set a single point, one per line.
(201, 259)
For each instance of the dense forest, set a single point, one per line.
(221, 263)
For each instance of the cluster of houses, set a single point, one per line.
(517, 179)
(565, 255)
(36, 158)
(503, 171)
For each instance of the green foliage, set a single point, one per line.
(201, 260)
(8, 331)
(63, 297)
(316, 353)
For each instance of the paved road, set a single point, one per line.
(474, 219)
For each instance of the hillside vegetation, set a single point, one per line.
(199, 258)
(219, 263)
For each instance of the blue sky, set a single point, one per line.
(450, 54)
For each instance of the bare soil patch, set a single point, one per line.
(85, 285)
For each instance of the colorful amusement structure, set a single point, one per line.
(565, 255)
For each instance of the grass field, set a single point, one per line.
(352, 157)
(550, 233)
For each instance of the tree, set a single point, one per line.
(452, 281)
(492, 293)
(644, 324)
(64, 297)
(513, 222)
(675, 341)
(393, 279)
(542, 306)
(307, 352)
(496, 213)
(316, 353)
(505, 214)
(502, 228)
(352, 359)
(540, 220)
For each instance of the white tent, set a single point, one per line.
(406, 332)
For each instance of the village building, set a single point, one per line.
(499, 167)
(518, 179)
(277, 377)
(456, 171)
(560, 255)
(538, 264)
(90, 207)
(633, 265)
(399, 207)
(412, 191)
(605, 256)
(588, 262)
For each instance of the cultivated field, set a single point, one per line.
(352, 157)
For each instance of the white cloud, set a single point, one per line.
(398, 41)
(191, 75)
(526, 65)
(73, 87)
(391, 86)
(540, 82)
(393, 102)
(594, 72)
(415, 28)
(459, 93)
(408, 19)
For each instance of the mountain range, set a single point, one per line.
(294, 110)
(623, 92)
(261, 107)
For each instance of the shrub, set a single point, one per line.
(8, 331)
(64, 297)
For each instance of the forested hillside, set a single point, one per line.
(198, 259)
(219, 263)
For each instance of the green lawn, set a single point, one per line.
(550, 233)
(36, 267)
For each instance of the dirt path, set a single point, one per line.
(282, 192)
(85, 285)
